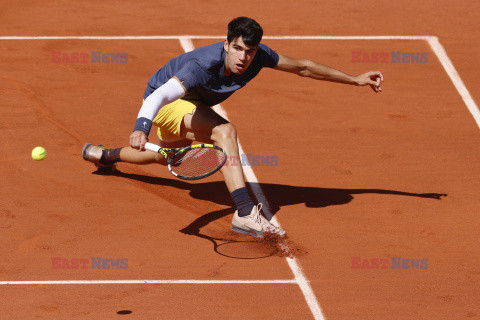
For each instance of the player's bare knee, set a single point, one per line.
(225, 132)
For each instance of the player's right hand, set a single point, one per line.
(372, 78)
(138, 140)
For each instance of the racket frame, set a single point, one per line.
(179, 151)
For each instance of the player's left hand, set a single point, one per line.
(371, 78)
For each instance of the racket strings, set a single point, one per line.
(197, 162)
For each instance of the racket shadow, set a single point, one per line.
(229, 245)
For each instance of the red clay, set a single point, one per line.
(359, 173)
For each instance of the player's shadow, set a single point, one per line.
(278, 195)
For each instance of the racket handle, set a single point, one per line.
(152, 147)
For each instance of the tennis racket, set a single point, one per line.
(193, 162)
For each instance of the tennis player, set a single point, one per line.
(179, 97)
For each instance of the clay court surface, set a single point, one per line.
(359, 174)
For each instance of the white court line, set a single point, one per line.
(179, 37)
(148, 282)
(293, 263)
(455, 77)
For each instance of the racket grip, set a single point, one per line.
(152, 147)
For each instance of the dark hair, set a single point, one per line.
(247, 28)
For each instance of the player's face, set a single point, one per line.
(238, 56)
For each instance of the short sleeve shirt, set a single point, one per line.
(201, 72)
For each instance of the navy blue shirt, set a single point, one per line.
(201, 72)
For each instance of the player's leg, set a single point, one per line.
(168, 120)
(131, 155)
(204, 124)
(108, 158)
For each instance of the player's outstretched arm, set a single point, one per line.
(314, 70)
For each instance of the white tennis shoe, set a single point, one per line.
(254, 224)
(94, 154)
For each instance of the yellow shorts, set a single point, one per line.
(169, 118)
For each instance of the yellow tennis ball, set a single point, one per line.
(39, 153)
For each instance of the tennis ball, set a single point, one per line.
(39, 153)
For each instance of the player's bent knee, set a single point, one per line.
(224, 132)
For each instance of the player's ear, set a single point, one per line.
(225, 45)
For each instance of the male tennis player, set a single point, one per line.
(179, 97)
